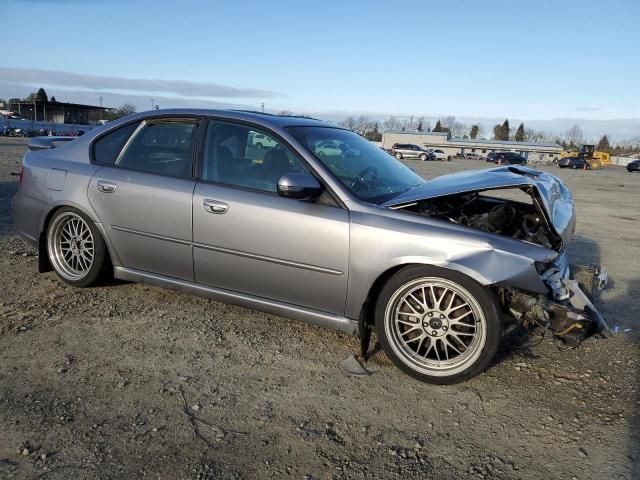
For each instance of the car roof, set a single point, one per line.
(265, 119)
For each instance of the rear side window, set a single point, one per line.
(162, 146)
(106, 149)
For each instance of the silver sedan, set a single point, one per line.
(344, 237)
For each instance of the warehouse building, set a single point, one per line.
(57, 112)
(454, 146)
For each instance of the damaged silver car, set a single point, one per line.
(319, 225)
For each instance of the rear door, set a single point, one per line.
(143, 196)
(249, 239)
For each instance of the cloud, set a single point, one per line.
(587, 109)
(178, 88)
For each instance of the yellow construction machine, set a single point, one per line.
(596, 158)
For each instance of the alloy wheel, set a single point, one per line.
(70, 245)
(435, 326)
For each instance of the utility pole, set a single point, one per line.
(152, 104)
(100, 107)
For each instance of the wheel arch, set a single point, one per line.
(44, 265)
(366, 306)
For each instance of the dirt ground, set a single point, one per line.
(94, 382)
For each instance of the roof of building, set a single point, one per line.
(479, 141)
(56, 104)
(503, 142)
(443, 134)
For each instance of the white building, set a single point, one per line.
(452, 146)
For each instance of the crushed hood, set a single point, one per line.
(553, 196)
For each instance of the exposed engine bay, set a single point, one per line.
(567, 310)
(515, 219)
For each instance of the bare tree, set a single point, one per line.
(349, 123)
(575, 135)
(457, 129)
(391, 123)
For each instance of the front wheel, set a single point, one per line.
(75, 248)
(438, 325)
(423, 157)
(398, 155)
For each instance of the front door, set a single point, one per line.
(248, 239)
(144, 197)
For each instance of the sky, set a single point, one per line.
(549, 63)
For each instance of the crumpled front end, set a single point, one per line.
(567, 311)
(537, 211)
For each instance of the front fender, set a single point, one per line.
(380, 244)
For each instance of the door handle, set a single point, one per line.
(214, 206)
(106, 187)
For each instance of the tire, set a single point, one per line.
(475, 336)
(259, 145)
(423, 157)
(398, 155)
(82, 260)
(574, 166)
(449, 158)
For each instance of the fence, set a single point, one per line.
(622, 161)
(58, 128)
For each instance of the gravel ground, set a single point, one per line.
(130, 381)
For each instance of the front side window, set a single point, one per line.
(237, 155)
(365, 170)
(107, 147)
(163, 146)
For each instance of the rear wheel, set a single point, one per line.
(437, 325)
(75, 248)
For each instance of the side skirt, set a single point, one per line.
(313, 317)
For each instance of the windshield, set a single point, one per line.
(366, 170)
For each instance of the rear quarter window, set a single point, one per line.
(107, 148)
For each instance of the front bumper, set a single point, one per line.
(568, 310)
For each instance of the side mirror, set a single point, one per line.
(300, 186)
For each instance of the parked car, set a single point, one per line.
(574, 163)
(328, 149)
(407, 150)
(508, 158)
(356, 242)
(440, 155)
(472, 156)
(260, 140)
(491, 156)
(634, 166)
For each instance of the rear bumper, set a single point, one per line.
(27, 216)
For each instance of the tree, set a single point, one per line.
(41, 96)
(501, 132)
(349, 123)
(126, 109)
(121, 111)
(439, 127)
(575, 136)
(520, 136)
(391, 123)
(603, 144)
(473, 134)
(52, 99)
(374, 134)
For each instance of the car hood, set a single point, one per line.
(553, 196)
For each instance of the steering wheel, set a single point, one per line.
(362, 180)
